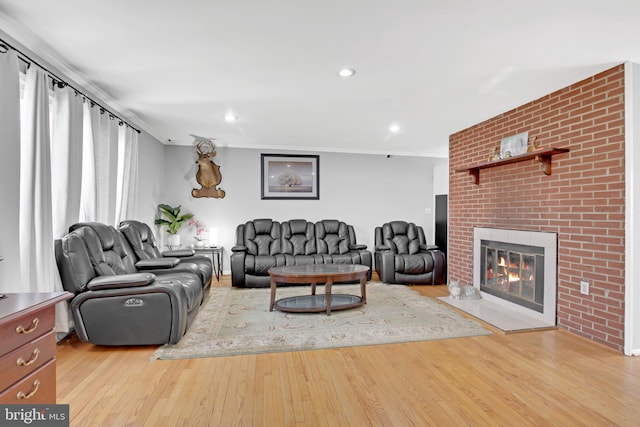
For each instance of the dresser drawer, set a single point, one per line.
(26, 328)
(37, 388)
(26, 359)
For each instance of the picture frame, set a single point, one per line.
(290, 176)
(514, 145)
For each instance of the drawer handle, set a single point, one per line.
(34, 357)
(34, 324)
(33, 391)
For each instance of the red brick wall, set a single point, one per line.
(582, 200)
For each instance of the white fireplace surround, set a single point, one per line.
(548, 241)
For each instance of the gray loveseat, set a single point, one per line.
(264, 243)
(119, 300)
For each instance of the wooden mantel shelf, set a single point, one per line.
(543, 156)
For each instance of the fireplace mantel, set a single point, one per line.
(543, 156)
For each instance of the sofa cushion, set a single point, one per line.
(351, 258)
(332, 237)
(141, 239)
(260, 264)
(262, 237)
(106, 249)
(414, 264)
(302, 259)
(298, 237)
(189, 282)
(401, 237)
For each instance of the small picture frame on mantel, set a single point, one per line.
(514, 145)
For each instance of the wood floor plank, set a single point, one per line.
(526, 379)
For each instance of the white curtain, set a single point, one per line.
(66, 161)
(10, 172)
(88, 186)
(36, 230)
(66, 158)
(127, 173)
(105, 145)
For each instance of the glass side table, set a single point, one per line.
(215, 254)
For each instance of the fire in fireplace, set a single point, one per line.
(513, 272)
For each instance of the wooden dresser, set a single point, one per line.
(28, 347)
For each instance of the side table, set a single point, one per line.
(215, 254)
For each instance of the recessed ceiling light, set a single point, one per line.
(230, 117)
(346, 72)
(394, 128)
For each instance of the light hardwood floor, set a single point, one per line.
(528, 379)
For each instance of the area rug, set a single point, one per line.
(238, 321)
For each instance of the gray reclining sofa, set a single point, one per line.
(264, 243)
(120, 300)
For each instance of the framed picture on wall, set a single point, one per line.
(514, 145)
(285, 176)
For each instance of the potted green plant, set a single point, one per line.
(173, 220)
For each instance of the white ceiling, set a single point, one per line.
(174, 68)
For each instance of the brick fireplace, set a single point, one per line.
(582, 201)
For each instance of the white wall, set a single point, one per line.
(441, 178)
(632, 210)
(440, 186)
(151, 172)
(10, 193)
(362, 190)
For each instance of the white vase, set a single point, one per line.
(199, 243)
(173, 241)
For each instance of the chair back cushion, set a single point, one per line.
(108, 251)
(74, 264)
(332, 237)
(260, 236)
(141, 239)
(298, 237)
(403, 238)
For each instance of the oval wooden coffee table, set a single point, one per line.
(314, 274)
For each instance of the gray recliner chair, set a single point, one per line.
(401, 255)
(140, 238)
(117, 304)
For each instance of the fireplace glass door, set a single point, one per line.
(513, 272)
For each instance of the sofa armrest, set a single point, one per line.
(238, 258)
(180, 253)
(357, 247)
(156, 263)
(381, 248)
(121, 281)
(426, 248)
(385, 264)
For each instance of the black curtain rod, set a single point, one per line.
(4, 48)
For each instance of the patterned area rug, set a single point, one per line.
(237, 321)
